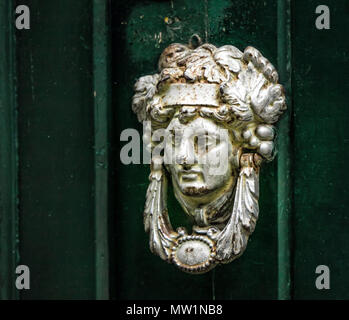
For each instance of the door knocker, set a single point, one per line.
(211, 112)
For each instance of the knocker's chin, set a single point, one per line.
(195, 191)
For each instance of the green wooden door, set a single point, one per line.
(72, 212)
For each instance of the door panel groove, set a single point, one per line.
(9, 254)
(101, 81)
(284, 159)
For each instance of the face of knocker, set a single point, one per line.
(199, 157)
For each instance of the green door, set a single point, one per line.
(72, 212)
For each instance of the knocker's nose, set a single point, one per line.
(185, 159)
(185, 163)
(182, 159)
(186, 166)
(185, 155)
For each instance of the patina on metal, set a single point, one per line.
(211, 103)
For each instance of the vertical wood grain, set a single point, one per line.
(101, 83)
(8, 155)
(285, 186)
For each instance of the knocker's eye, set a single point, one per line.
(204, 143)
(211, 142)
(196, 148)
(174, 139)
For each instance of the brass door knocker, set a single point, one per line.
(214, 109)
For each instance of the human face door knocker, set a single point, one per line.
(214, 109)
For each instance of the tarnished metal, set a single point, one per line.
(179, 94)
(217, 107)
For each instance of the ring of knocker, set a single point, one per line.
(196, 253)
(214, 109)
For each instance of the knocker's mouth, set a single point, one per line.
(189, 175)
